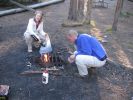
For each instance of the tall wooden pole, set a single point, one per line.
(117, 14)
(88, 14)
(73, 10)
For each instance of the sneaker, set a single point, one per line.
(79, 76)
(85, 78)
(29, 50)
(92, 71)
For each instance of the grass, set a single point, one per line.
(109, 30)
(126, 14)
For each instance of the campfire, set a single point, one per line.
(45, 58)
(51, 59)
(54, 59)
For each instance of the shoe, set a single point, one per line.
(92, 71)
(29, 48)
(85, 78)
(29, 51)
(79, 76)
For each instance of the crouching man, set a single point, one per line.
(89, 53)
(35, 34)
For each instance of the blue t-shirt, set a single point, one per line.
(88, 45)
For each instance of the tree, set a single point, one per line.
(80, 11)
(117, 14)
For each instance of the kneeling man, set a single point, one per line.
(89, 53)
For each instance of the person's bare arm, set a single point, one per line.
(71, 59)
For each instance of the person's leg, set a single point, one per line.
(97, 62)
(84, 62)
(82, 68)
(29, 41)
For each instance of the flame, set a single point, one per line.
(45, 59)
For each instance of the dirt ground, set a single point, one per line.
(114, 81)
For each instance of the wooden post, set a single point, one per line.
(117, 14)
(88, 13)
(73, 10)
(79, 12)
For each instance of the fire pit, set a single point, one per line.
(57, 58)
(53, 61)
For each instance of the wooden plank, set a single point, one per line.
(22, 6)
(31, 72)
(17, 10)
(39, 72)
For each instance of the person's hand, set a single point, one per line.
(70, 52)
(46, 37)
(39, 41)
(46, 34)
(71, 59)
(36, 38)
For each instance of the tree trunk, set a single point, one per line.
(117, 13)
(88, 12)
(79, 11)
(73, 10)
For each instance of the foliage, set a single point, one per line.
(109, 30)
(126, 14)
(93, 23)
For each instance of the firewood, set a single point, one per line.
(39, 72)
(22, 6)
(30, 7)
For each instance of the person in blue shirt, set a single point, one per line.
(89, 52)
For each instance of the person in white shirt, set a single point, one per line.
(35, 33)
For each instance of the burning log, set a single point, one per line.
(45, 58)
(52, 59)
